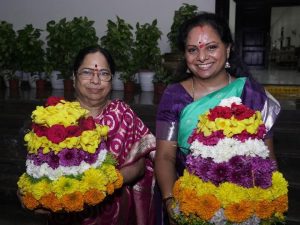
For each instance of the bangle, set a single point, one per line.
(167, 198)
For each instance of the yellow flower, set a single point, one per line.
(279, 185)
(110, 172)
(24, 183)
(258, 194)
(40, 188)
(230, 193)
(95, 178)
(222, 124)
(65, 185)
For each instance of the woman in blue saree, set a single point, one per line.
(211, 72)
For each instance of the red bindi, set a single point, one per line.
(201, 45)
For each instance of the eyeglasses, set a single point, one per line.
(87, 74)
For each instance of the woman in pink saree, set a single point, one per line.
(129, 140)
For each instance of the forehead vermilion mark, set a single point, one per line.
(201, 44)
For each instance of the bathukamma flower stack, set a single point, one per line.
(68, 165)
(229, 177)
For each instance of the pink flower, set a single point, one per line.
(241, 111)
(87, 123)
(53, 100)
(73, 131)
(57, 133)
(219, 112)
(39, 130)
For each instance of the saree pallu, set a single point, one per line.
(128, 140)
(178, 114)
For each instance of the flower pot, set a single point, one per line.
(129, 87)
(14, 84)
(159, 88)
(117, 84)
(57, 81)
(68, 85)
(40, 84)
(146, 80)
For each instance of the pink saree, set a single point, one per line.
(129, 140)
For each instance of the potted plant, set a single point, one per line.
(119, 41)
(30, 54)
(161, 79)
(128, 77)
(173, 58)
(7, 51)
(146, 52)
(64, 40)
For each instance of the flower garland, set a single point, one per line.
(229, 178)
(67, 164)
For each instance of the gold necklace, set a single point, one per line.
(193, 85)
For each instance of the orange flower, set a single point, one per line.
(73, 202)
(281, 204)
(110, 188)
(189, 203)
(51, 202)
(176, 190)
(239, 212)
(264, 209)
(93, 196)
(29, 201)
(208, 206)
(119, 182)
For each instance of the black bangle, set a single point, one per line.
(167, 199)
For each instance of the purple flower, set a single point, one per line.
(69, 157)
(52, 160)
(199, 166)
(218, 173)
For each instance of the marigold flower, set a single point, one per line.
(51, 202)
(264, 209)
(208, 206)
(119, 182)
(281, 204)
(73, 202)
(93, 196)
(239, 212)
(29, 201)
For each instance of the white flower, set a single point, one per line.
(228, 148)
(228, 101)
(53, 174)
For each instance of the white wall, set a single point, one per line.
(39, 12)
(289, 19)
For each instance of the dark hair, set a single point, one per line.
(93, 49)
(221, 27)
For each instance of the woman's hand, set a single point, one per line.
(169, 204)
(134, 171)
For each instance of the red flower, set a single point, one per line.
(57, 133)
(73, 131)
(241, 111)
(53, 100)
(39, 130)
(219, 112)
(87, 123)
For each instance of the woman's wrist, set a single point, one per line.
(168, 198)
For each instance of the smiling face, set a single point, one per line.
(92, 92)
(205, 53)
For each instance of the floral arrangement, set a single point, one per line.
(229, 178)
(67, 165)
